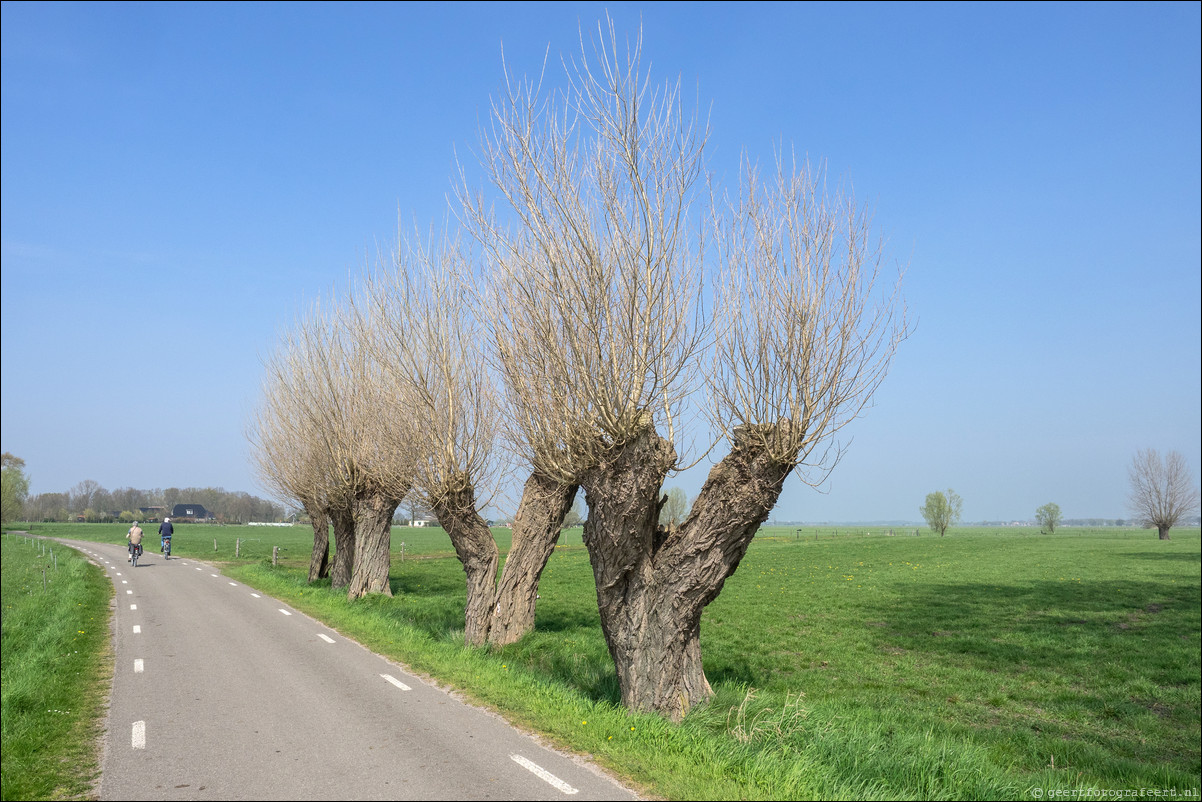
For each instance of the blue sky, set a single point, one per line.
(180, 179)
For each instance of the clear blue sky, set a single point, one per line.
(179, 179)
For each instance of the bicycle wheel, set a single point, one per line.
(134, 558)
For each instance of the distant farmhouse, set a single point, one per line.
(195, 512)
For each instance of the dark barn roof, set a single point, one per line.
(190, 511)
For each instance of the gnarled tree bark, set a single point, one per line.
(319, 561)
(344, 546)
(652, 586)
(373, 511)
(477, 551)
(545, 503)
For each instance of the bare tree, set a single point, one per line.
(333, 440)
(1162, 490)
(427, 340)
(420, 333)
(84, 494)
(599, 333)
(287, 449)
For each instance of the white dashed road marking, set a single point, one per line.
(133, 607)
(137, 629)
(396, 682)
(138, 665)
(139, 735)
(285, 612)
(325, 638)
(543, 774)
(256, 595)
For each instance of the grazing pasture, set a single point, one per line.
(982, 664)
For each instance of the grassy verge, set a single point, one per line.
(986, 664)
(55, 660)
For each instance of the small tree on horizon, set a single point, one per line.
(942, 511)
(1048, 517)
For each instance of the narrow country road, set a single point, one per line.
(222, 693)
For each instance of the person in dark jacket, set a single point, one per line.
(165, 532)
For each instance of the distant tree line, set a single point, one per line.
(89, 501)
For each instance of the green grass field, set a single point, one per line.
(55, 661)
(985, 664)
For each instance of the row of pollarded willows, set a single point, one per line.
(571, 329)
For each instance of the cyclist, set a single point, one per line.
(165, 532)
(134, 536)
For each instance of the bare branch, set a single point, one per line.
(802, 332)
(595, 293)
(1162, 491)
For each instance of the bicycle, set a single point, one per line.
(165, 547)
(135, 551)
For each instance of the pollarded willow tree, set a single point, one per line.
(1162, 490)
(296, 444)
(427, 342)
(328, 437)
(286, 454)
(601, 338)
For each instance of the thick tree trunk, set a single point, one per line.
(373, 541)
(474, 544)
(1163, 531)
(646, 641)
(653, 584)
(319, 561)
(343, 519)
(545, 503)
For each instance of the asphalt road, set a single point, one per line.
(220, 692)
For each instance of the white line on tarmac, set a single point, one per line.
(137, 629)
(235, 584)
(129, 593)
(543, 774)
(256, 595)
(396, 682)
(139, 735)
(285, 612)
(138, 665)
(325, 638)
(213, 575)
(133, 607)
